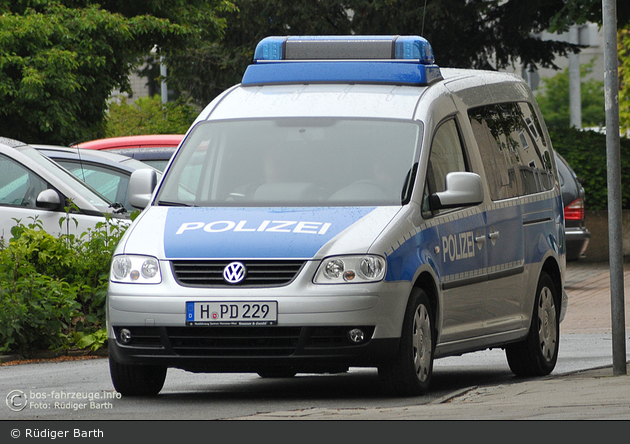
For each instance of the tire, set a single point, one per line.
(409, 374)
(538, 353)
(137, 380)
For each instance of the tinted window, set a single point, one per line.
(514, 153)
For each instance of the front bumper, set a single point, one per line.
(243, 349)
(577, 239)
(311, 332)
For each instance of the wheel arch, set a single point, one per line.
(552, 268)
(426, 282)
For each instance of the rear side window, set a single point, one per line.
(515, 155)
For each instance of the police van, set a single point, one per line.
(348, 204)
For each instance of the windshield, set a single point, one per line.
(294, 162)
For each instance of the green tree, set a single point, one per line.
(206, 70)
(484, 34)
(578, 12)
(490, 34)
(61, 59)
(554, 100)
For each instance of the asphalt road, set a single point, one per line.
(81, 389)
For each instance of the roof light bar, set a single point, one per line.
(401, 60)
(345, 48)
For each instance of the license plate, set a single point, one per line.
(232, 313)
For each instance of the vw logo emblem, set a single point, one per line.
(234, 272)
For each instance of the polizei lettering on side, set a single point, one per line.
(269, 226)
(458, 246)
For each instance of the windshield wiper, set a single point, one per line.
(165, 203)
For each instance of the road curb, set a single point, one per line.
(47, 355)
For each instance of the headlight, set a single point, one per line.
(131, 269)
(350, 269)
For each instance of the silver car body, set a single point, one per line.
(483, 284)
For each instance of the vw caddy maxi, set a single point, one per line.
(348, 204)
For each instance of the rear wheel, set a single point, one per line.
(538, 353)
(137, 380)
(409, 374)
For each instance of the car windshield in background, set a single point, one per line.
(294, 162)
(157, 157)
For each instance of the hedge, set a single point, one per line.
(585, 150)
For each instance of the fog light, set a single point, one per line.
(124, 335)
(356, 335)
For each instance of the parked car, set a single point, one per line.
(106, 172)
(577, 235)
(34, 186)
(155, 149)
(334, 210)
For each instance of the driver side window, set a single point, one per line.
(447, 155)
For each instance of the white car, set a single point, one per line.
(33, 186)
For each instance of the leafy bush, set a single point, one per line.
(148, 115)
(586, 153)
(52, 290)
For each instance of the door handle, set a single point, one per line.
(480, 239)
(493, 235)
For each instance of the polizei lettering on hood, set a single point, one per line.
(220, 233)
(270, 226)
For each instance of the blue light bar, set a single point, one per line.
(270, 48)
(352, 47)
(388, 72)
(414, 47)
(400, 60)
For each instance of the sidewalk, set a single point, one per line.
(593, 394)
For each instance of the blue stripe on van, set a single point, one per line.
(245, 233)
(540, 236)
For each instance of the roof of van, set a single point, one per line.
(347, 100)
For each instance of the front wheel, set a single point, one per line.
(137, 380)
(409, 374)
(538, 353)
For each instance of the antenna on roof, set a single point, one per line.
(424, 13)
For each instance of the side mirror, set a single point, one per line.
(141, 185)
(48, 200)
(462, 189)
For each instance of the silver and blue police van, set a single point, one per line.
(348, 204)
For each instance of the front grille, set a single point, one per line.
(260, 273)
(234, 341)
(254, 342)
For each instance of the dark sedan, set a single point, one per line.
(577, 234)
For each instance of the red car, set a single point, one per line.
(154, 149)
